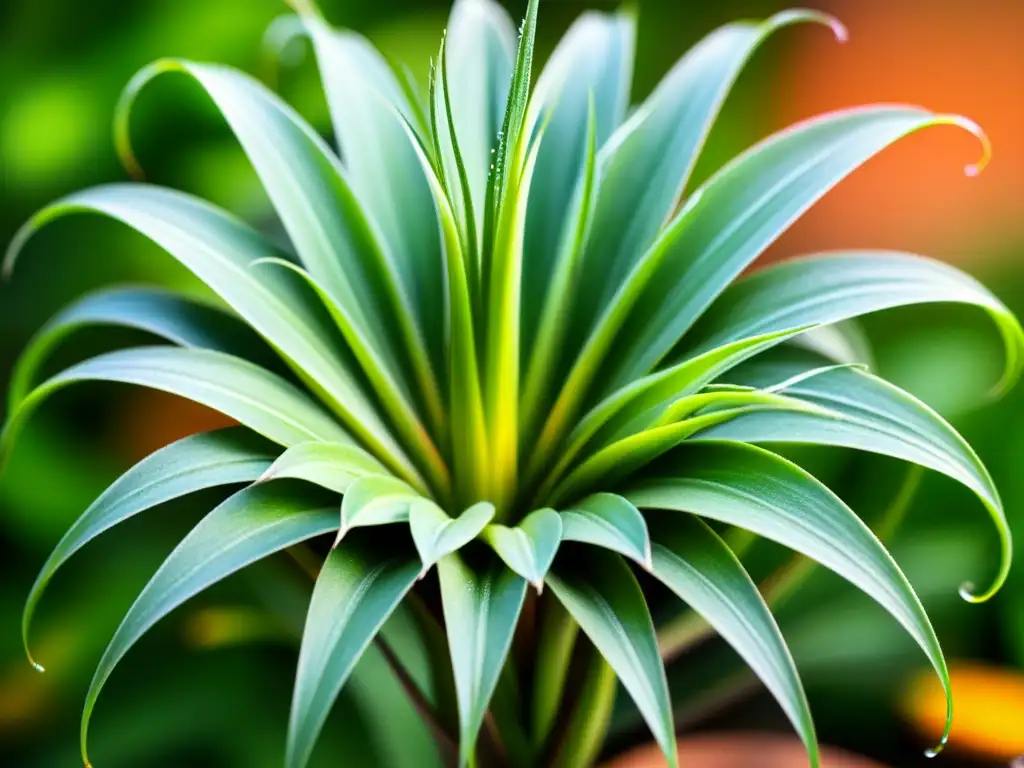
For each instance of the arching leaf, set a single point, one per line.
(251, 525)
(220, 250)
(832, 287)
(727, 224)
(258, 399)
(481, 610)
(859, 410)
(600, 592)
(375, 501)
(692, 561)
(358, 588)
(177, 319)
(754, 489)
(334, 466)
(648, 160)
(207, 460)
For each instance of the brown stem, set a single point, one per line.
(447, 746)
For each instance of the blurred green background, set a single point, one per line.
(211, 685)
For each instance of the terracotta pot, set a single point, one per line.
(740, 751)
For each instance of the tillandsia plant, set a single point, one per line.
(519, 353)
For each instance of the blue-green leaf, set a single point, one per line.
(861, 411)
(375, 500)
(730, 220)
(610, 521)
(437, 535)
(220, 250)
(529, 547)
(692, 561)
(206, 460)
(480, 48)
(251, 525)
(602, 594)
(251, 395)
(831, 287)
(314, 199)
(754, 489)
(182, 321)
(334, 466)
(357, 589)
(586, 79)
(481, 610)
(648, 160)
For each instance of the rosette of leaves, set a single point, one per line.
(506, 343)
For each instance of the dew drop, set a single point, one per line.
(38, 667)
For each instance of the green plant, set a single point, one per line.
(514, 356)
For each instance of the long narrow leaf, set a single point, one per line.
(861, 411)
(581, 96)
(393, 394)
(175, 318)
(220, 250)
(369, 112)
(260, 400)
(481, 610)
(832, 287)
(334, 237)
(601, 593)
(356, 591)
(692, 561)
(754, 489)
(647, 162)
(334, 466)
(480, 50)
(207, 460)
(728, 223)
(251, 525)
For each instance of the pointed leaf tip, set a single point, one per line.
(975, 168)
(796, 16)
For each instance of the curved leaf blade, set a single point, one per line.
(610, 521)
(176, 319)
(357, 590)
(220, 250)
(602, 594)
(586, 79)
(334, 466)
(861, 411)
(436, 535)
(375, 500)
(694, 562)
(729, 222)
(648, 161)
(392, 393)
(370, 114)
(256, 398)
(480, 47)
(528, 548)
(828, 288)
(251, 525)
(481, 610)
(207, 460)
(754, 489)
